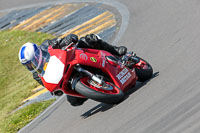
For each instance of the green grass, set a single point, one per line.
(22, 117)
(15, 80)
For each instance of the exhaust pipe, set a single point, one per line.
(92, 76)
(58, 93)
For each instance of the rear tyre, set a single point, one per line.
(99, 93)
(144, 73)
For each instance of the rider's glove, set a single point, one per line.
(68, 39)
(37, 78)
(92, 38)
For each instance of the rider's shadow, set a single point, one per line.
(99, 108)
(104, 107)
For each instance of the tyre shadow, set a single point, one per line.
(140, 85)
(104, 107)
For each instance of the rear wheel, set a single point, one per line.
(106, 93)
(143, 70)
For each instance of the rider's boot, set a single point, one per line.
(119, 51)
(98, 43)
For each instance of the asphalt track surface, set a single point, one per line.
(166, 33)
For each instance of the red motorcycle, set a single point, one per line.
(91, 73)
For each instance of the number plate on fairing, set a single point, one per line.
(54, 71)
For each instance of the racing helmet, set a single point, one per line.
(30, 55)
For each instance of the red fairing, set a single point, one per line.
(60, 69)
(60, 55)
(122, 76)
(51, 87)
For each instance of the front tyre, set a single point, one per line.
(143, 70)
(106, 93)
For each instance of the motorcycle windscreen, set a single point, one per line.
(39, 60)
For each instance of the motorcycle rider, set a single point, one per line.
(93, 41)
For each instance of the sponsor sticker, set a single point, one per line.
(45, 66)
(122, 73)
(93, 59)
(103, 63)
(83, 56)
(123, 76)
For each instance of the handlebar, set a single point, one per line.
(70, 45)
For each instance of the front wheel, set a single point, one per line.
(143, 70)
(106, 93)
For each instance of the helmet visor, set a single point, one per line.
(38, 61)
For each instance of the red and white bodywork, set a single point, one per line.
(60, 73)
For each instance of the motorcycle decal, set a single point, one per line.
(54, 70)
(83, 56)
(103, 63)
(122, 73)
(45, 66)
(93, 59)
(123, 76)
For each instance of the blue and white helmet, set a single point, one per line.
(27, 52)
(30, 55)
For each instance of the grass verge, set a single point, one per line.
(16, 82)
(19, 119)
